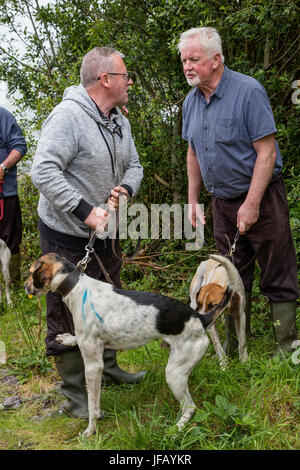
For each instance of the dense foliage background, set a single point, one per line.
(260, 38)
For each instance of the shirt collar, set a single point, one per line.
(221, 88)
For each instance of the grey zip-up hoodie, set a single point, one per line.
(73, 162)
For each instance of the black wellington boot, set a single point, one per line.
(113, 373)
(14, 268)
(283, 316)
(70, 367)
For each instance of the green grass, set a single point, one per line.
(251, 406)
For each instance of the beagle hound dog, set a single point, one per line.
(107, 317)
(207, 289)
(5, 256)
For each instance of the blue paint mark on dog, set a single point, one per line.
(84, 302)
(83, 305)
(94, 310)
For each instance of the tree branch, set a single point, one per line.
(22, 63)
(44, 56)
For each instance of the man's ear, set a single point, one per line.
(216, 60)
(104, 79)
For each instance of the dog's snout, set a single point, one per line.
(29, 288)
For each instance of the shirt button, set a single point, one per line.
(206, 148)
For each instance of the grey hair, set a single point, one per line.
(208, 38)
(95, 62)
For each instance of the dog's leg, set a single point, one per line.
(7, 281)
(182, 360)
(6, 276)
(218, 347)
(240, 328)
(92, 353)
(66, 339)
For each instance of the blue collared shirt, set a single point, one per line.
(222, 132)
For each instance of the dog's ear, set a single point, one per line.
(196, 285)
(41, 275)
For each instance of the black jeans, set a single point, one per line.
(269, 241)
(59, 318)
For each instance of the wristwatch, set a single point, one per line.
(4, 168)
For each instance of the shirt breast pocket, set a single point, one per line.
(227, 131)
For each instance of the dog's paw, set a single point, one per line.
(89, 432)
(66, 339)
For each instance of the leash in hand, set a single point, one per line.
(232, 246)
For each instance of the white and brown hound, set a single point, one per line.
(5, 256)
(207, 289)
(107, 317)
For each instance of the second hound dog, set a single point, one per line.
(208, 286)
(107, 317)
(5, 256)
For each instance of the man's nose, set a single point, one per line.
(187, 65)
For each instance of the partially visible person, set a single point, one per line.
(85, 157)
(229, 126)
(12, 148)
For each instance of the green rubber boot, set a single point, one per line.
(113, 373)
(70, 367)
(14, 267)
(283, 316)
(230, 345)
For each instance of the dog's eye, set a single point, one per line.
(210, 306)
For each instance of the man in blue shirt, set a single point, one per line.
(229, 126)
(12, 148)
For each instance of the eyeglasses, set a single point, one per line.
(128, 76)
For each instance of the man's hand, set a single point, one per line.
(247, 216)
(248, 213)
(97, 219)
(195, 215)
(113, 200)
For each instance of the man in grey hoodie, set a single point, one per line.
(85, 158)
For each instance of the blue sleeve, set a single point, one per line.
(185, 125)
(11, 133)
(259, 116)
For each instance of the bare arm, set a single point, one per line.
(248, 213)
(11, 160)
(194, 186)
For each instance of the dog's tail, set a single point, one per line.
(209, 318)
(3, 244)
(231, 271)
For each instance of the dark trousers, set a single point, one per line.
(11, 224)
(59, 318)
(269, 241)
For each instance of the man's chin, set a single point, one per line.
(194, 81)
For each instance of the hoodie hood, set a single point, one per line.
(79, 95)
